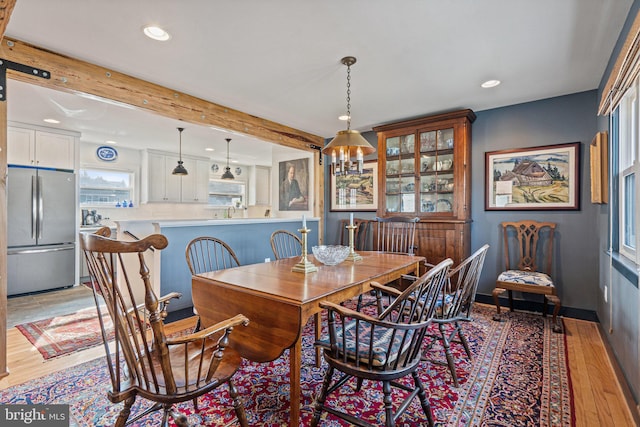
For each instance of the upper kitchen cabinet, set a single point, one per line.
(195, 184)
(260, 186)
(35, 147)
(425, 171)
(160, 185)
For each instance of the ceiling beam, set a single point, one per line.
(73, 75)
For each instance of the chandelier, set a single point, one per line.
(348, 148)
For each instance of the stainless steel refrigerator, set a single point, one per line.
(41, 229)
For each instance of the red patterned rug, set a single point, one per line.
(62, 335)
(519, 377)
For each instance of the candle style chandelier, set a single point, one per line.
(348, 143)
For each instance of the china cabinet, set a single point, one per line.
(425, 171)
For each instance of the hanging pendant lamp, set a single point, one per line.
(180, 169)
(227, 171)
(348, 142)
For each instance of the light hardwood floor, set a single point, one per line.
(599, 397)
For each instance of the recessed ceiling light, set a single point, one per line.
(111, 142)
(156, 33)
(234, 161)
(490, 83)
(343, 117)
(209, 149)
(54, 121)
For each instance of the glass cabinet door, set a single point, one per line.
(436, 171)
(400, 181)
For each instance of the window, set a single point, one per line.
(628, 170)
(102, 187)
(226, 193)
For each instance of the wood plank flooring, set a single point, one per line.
(599, 397)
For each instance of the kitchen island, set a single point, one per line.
(249, 239)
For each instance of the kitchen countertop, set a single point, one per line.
(205, 222)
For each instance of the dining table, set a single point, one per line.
(279, 302)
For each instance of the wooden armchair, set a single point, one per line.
(361, 240)
(209, 254)
(145, 362)
(384, 348)
(285, 244)
(395, 234)
(528, 264)
(455, 303)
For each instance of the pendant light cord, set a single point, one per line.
(348, 96)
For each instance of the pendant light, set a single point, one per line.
(180, 170)
(227, 171)
(348, 142)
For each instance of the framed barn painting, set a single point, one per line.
(355, 192)
(536, 178)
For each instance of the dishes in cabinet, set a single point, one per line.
(443, 205)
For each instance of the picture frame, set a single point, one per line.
(293, 192)
(534, 178)
(599, 168)
(355, 192)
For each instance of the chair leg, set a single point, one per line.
(388, 404)
(237, 405)
(510, 292)
(463, 340)
(424, 400)
(447, 351)
(179, 419)
(359, 305)
(496, 292)
(317, 411)
(121, 421)
(318, 333)
(556, 309)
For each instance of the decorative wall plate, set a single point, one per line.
(106, 153)
(214, 168)
(238, 171)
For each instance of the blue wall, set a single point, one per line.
(250, 242)
(570, 118)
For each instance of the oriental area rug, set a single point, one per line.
(61, 335)
(518, 377)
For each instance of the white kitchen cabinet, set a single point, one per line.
(195, 184)
(262, 184)
(32, 147)
(160, 185)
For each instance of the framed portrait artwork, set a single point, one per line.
(536, 178)
(294, 185)
(355, 192)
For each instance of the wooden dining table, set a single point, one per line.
(279, 302)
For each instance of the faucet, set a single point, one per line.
(229, 215)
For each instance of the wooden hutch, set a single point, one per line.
(424, 170)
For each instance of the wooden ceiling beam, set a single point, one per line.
(73, 75)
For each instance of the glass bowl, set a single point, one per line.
(330, 254)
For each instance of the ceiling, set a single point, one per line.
(280, 60)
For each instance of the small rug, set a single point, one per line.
(62, 335)
(518, 377)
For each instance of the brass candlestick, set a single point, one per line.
(304, 266)
(353, 256)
